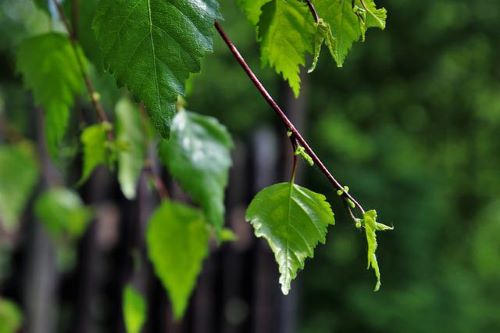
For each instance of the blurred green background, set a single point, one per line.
(412, 124)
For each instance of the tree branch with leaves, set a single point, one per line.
(151, 48)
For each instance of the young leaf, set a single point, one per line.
(131, 158)
(198, 156)
(293, 220)
(63, 214)
(95, 148)
(177, 240)
(347, 24)
(375, 17)
(10, 317)
(51, 56)
(323, 35)
(371, 227)
(286, 32)
(152, 46)
(18, 176)
(134, 310)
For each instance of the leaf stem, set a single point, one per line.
(288, 124)
(149, 170)
(93, 95)
(295, 157)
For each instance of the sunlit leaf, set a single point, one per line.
(134, 310)
(198, 156)
(293, 220)
(349, 23)
(177, 240)
(286, 32)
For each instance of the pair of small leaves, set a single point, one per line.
(293, 220)
(177, 240)
(51, 55)
(198, 157)
(128, 149)
(134, 310)
(152, 46)
(287, 31)
(18, 177)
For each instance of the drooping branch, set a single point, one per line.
(149, 169)
(284, 119)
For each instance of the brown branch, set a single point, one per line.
(288, 124)
(149, 170)
(93, 95)
(313, 10)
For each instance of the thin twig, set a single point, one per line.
(149, 170)
(149, 166)
(313, 11)
(288, 124)
(93, 95)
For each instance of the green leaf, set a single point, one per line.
(152, 46)
(63, 214)
(95, 148)
(293, 220)
(323, 35)
(130, 159)
(286, 32)
(198, 156)
(371, 227)
(51, 56)
(134, 310)
(348, 24)
(375, 17)
(43, 4)
(87, 10)
(252, 9)
(18, 177)
(10, 317)
(227, 235)
(177, 240)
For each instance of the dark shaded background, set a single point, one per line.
(411, 123)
